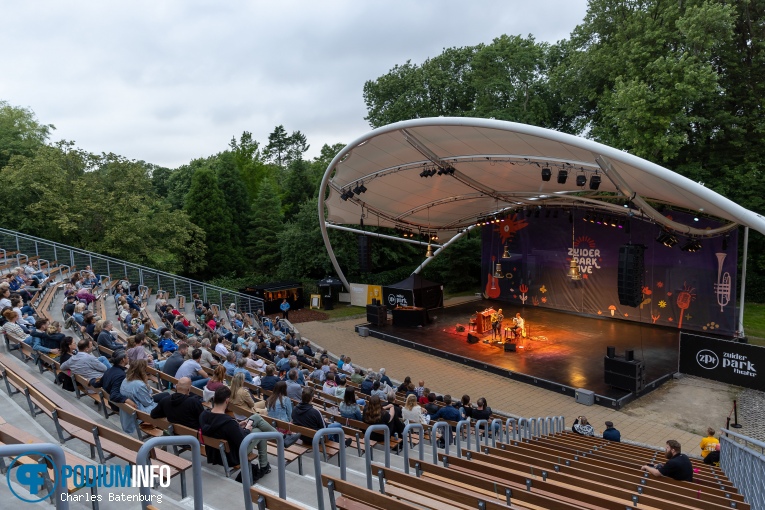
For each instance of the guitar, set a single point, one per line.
(492, 286)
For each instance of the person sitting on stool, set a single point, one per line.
(496, 324)
(517, 328)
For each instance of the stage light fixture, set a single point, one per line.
(594, 182)
(363, 188)
(581, 180)
(546, 174)
(621, 224)
(562, 176)
(506, 253)
(693, 245)
(586, 217)
(613, 222)
(344, 196)
(666, 239)
(349, 192)
(599, 220)
(429, 251)
(357, 190)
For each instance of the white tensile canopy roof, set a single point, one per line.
(489, 167)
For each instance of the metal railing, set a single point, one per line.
(244, 460)
(744, 466)
(120, 269)
(56, 455)
(142, 459)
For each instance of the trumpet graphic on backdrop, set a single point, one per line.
(722, 287)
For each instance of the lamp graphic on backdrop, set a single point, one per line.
(573, 269)
(429, 251)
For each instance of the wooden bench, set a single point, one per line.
(357, 498)
(270, 502)
(13, 435)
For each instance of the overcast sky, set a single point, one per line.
(169, 81)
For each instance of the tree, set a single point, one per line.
(236, 198)
(320, 163)
(20, 132)
(297, 187)
(206, 208)
(267, 223)
(283, 149)
(249, 161)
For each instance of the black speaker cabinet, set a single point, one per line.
(377, 315)
(472, 339)
(365, 254)
(610, 351)
(629, 280)
(623, 374)
(510, 347)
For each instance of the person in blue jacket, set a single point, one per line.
(611, 433)
(285, 308)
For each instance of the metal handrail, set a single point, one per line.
(524, 429)
(458, 436)
(57, 455)
(244, 460)
(478, 424)
(744, 467)
(334, 431)
(368, 456)
(187, 283)
(511, 425)
(496, 427)
(142, 459)
(446, 435)
(406, 436)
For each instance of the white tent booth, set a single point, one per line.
(444, 176)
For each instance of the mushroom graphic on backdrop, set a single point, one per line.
(613, 309)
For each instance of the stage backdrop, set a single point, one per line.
(681, 289)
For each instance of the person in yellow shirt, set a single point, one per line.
(709, 443)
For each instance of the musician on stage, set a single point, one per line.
(496, 324)
(517, 327)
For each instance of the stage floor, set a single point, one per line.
(563, 348)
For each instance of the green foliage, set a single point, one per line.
(235, 197)
(206, 207)
(20, 132)
(267, 223)
(298, 187)
(283, 149)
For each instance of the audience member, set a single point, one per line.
(135, 386)
(269, 381)
(678, 465)
(611, 433)
(174, 362)
(241, 397)
(279, 405)
(83, 363)
(193, 370)
(709, 443)
(581, 426)
(412, 412)
(349, 408)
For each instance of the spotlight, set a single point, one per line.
(357, 190)
(586, 217)
(613, 222)
(621, 224)
(344, 196)
(363, 188)
(599, 220)
(666, 239)
(581, 180)
(691, 246)
(594, 182)
(562, 176)
(424, 173)
(546, 174)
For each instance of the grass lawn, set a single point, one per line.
(342, 310)
(754, 323)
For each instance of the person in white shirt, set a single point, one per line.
(220, 348)
(518, 323)
(193, 370)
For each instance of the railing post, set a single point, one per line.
(496, 428)
(244, 461)
(317, 459)
(446, 435)
(458, 436)
(478, 424)
(142, 459)
(55, 453)
(523, 426)
(368, 456)
(510, 425)
(420, 444)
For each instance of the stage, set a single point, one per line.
(562, 351)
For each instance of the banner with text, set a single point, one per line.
(723, 360)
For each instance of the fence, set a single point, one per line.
(173, 285)
(744, 466)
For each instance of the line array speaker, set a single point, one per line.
(629, 279)
(365, 254)
(377, 315)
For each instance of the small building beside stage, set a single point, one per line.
(274, 293)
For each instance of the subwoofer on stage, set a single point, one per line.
(629, 280)
(623, 374)
(377, 315)
(472, 339)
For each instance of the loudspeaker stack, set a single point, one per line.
(629, 280)
(377, 315)
(365, 254)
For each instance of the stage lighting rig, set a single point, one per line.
(581, 180)
(594, 182)
(546, 174)
(666, 239)
(693, 245)
(562, 176)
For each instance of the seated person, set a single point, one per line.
(193, 370)
(181, 407)
(305, 415)
(581, 426)
(678, 465)
(216, 423)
